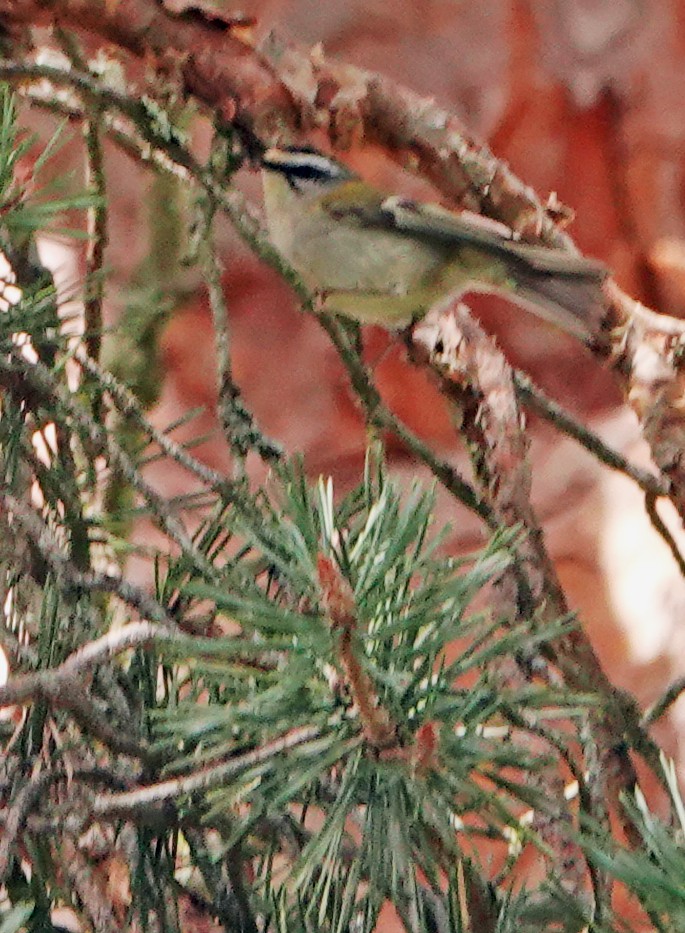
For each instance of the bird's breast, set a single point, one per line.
(337, 256)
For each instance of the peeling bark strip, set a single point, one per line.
(272, 91)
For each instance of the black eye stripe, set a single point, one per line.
(310, 172)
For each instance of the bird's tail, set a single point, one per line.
(560, 287)
(556, 285)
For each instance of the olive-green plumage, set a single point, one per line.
(388, 260)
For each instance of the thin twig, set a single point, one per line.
(654, 487)
(660, 526)
(535, 399)
(52, 683)
(39, 377)
(90, 581)
(126, 403)
(128, 805)
(129, 406)
(237, 422)
(97, 238)
(378, 414)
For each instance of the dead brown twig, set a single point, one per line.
(340, 608)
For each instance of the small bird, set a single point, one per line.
(387, 260)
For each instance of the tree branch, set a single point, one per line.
(127, 805)
(55, 683)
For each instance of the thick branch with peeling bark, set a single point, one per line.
(476, 378)
(212, 64)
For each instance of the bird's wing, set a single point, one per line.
(435, 223)
(358, 204)
(443, 228)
